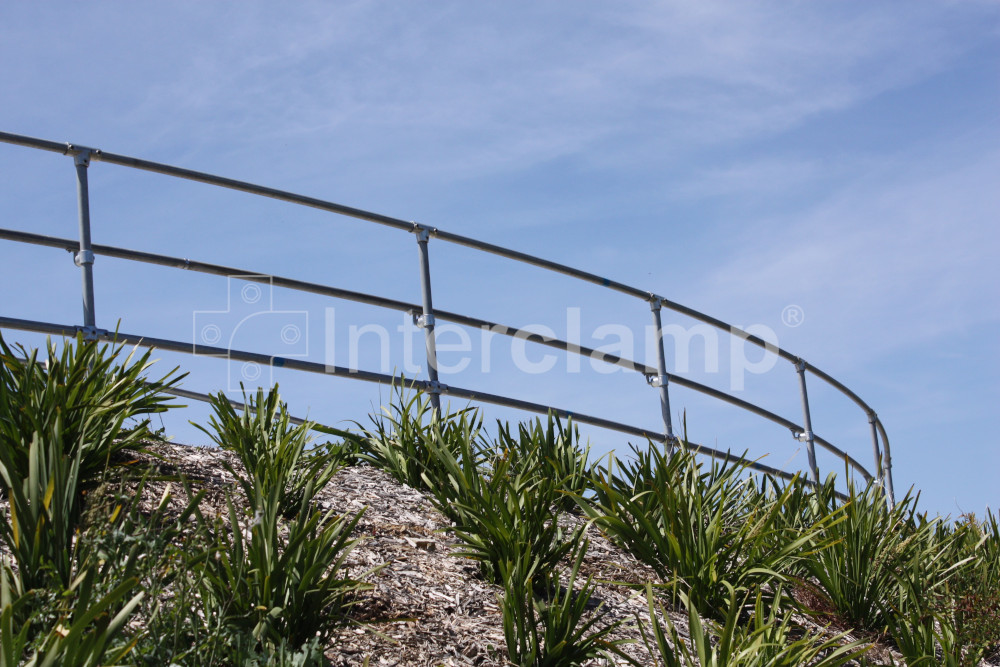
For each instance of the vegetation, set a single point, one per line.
(96, 577)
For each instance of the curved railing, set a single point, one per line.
(425, 316)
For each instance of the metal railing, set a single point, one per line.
(425, 316)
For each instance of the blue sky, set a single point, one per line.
(736, 157)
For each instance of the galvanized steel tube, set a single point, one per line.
(85, 258)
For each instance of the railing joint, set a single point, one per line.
(655, 302)
(657, 380)
(82, 155)
(800, 365)
(435, 387)
(93, 333)
(423, 232)
(803, 436)
(83, 257)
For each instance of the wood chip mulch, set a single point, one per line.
(426, 606)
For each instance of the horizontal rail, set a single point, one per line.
(659, 377)
(361, 297)
(397, 223)
(697, 449)
(381, 378)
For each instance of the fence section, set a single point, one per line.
(425, 316)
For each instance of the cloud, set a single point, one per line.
(457, 90)
(905, 250)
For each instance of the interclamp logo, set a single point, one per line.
(250, 321)
(697, 347)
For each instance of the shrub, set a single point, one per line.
(879, 560)
(551, 450)
(768, 639)
(99, 395)
(274, 452)
(556, 630)
(45, 505)
(700, 530)
(274, 585)
(407, 439)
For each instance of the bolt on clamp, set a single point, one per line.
(657, 380)
(83, 257)
(423, 233)
(803, 436)
(82, 154)
(435, 387)
(423, 321)
(92, 333)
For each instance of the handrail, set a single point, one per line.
(368, 376)
(361, 297)
(658, 377)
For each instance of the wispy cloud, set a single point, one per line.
(905, 250)
(455, 90)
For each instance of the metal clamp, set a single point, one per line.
(435, 387)
(803, 436)
(655, 302)
(423, 233)
(657, 380)
(800, 365)
(92, 333)
(82, 154)
(83, 257)
(421, 320)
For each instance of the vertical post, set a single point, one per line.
(807, 437)
(872, 420)
(887, 467)
(662, 379)
(85, 258)
(426, 320)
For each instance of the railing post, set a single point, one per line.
(426, 320)
(872, 421)
(85, 258)
(807, 436)
(882, 466)
(886, 470)
(662, 380)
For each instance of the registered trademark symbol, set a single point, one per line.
(793, 316)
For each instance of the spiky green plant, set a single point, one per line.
(879, 558)
(100, 396)
(405, 439)
(274, 452)
(45, 506)
(768, 639)
(968, 605)
(498, 509)
(280, 585)
(700, 529)
(551, 450)
(161, 548)
(554, 629)
(88, 628)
